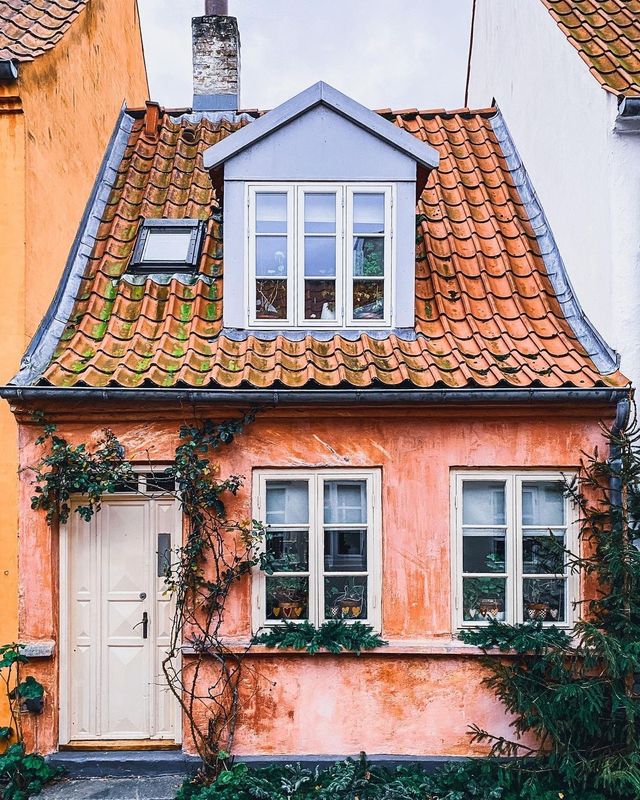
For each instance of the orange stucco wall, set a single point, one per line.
(415, 696)
(55, 123)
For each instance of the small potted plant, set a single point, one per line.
(348, 603)
(536, 607)
(289, 601)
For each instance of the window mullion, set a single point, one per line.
(318, 536)
(518, 544)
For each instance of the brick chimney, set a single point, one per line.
(216, 59)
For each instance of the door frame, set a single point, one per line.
(64, 717)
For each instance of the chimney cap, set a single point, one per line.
(216, 8)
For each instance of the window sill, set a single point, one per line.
(395, 647)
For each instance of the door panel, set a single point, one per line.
(115, 688)
(124, 543)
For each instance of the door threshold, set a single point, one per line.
(121, 744)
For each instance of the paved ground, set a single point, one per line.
(156, 788)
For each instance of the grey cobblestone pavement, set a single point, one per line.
(156, 788)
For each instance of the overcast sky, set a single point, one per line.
(383, 53)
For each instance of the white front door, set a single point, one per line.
(116, 621)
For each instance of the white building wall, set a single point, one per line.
(587, 177)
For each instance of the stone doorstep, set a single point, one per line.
(162, 787)
(151, 763)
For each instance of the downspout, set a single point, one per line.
(623, 410)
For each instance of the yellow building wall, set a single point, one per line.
(55, 124)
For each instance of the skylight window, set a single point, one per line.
(168, 245)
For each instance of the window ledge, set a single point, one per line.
(43, 648)
(395, 647)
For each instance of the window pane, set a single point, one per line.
(543, 503)
(271, 212)
(287, 598)
(271, 299)
(345, 551)
(345, 501)
(368, 257)
(544, 599)
(368, 300)
(483, 599)
(289, 550)
(368, 213)
(271, 256)
(319, 299)
(345, 598)
(543, 553)
(483, 503)
(163, 246)
(483, 553)
(319, 213)
(287, 502)
(319, 256)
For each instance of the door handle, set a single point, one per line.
(145, 624)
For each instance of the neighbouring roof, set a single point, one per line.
(28, 28)
(493, 305)
(606, 34)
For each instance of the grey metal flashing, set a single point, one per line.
(215, 102)
(319, 334)
(604, 357)
(42, 346)
(215, 117)
(338, 396)
(321, 94)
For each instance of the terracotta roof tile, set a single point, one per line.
(28, 28)
(606, 35)
(486, 311)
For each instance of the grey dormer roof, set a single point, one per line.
(321, 94)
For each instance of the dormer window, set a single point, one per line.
(167, 245)
(320, 255)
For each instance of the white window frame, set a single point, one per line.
(344, 254)
(316, 571)
(514, 601)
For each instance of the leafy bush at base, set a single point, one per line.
(481, 779)
(22, 775)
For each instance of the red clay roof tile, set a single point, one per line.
(486, 311)
(28, 28)
(606, 35)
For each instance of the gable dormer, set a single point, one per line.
(319, 200)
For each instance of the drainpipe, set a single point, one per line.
(623, 410)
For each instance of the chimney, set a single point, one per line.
(216, 59)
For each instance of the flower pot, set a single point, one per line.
(538, 611)
(288, 609)
(489, 607)
(347, 608)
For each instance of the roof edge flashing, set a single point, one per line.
(605, 358)
(321, 93)
(49, 332)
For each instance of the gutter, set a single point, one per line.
(301, 397)
(628, 119)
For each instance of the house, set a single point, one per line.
(57, 62)
(571, 96)
(385, 289)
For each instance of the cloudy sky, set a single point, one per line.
(384, 53)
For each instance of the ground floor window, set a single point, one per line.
(509, 531)
(324, 539)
